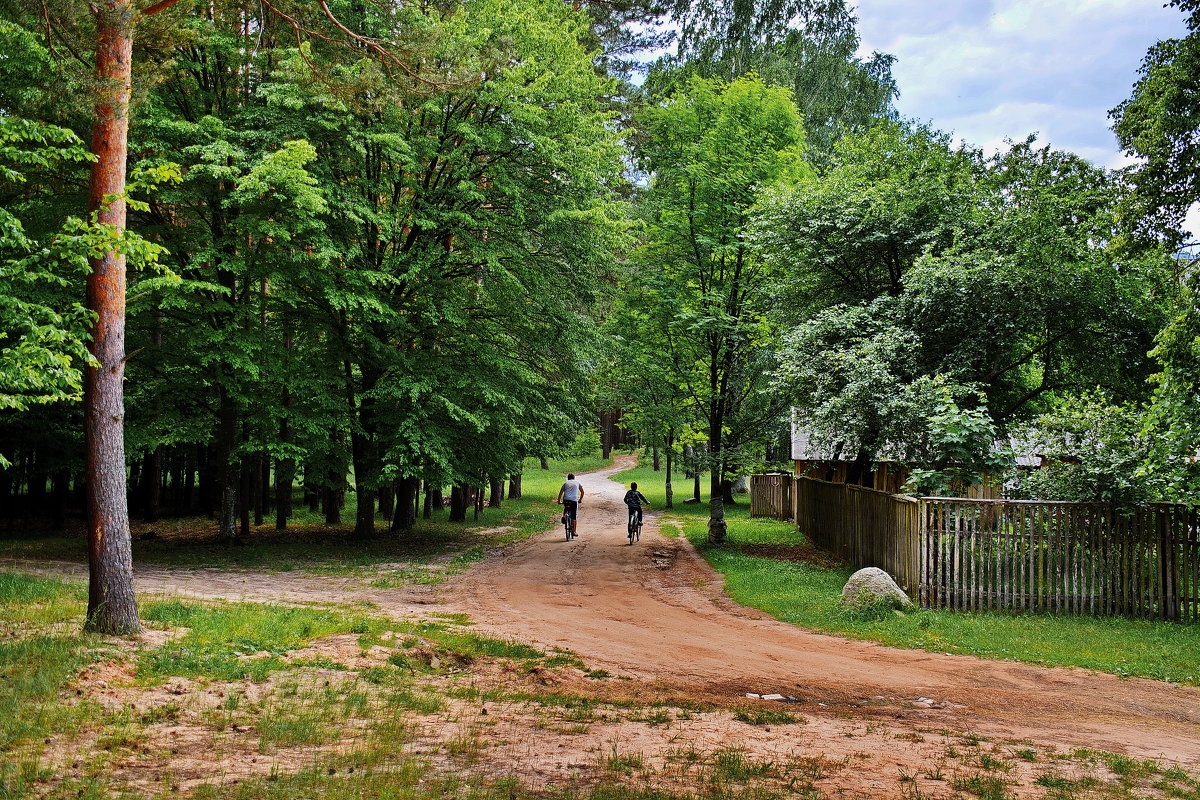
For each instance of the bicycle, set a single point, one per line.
(566, 521)
(635, 525)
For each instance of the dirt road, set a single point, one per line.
(655, 611)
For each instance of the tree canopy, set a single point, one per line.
(378, 248)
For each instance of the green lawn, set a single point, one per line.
(771, 566)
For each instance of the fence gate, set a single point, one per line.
(771, 496)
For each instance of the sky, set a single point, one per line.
(986, 70)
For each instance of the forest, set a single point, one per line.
(259, 254)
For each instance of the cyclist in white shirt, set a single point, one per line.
(570, 495)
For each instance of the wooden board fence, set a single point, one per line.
(866, 527)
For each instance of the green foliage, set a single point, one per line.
(701, 293)
(967, 295)
(958, 444)
(42, 322)
(1158, 125)
(811, 48)
(1094, 451)
(1174, 417)
(390, 275)
(853, 232)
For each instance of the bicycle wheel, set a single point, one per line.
(567, 526)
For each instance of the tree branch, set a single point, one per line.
(154, 8)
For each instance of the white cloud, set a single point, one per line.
(995, 69)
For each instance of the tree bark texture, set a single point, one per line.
(495, 492)
(112, 604)
(514, 486)
(458, 503)
(227, 471)
(285, 472)
(407, 493)
(670, 502)
(387, 500)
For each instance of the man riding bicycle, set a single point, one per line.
(634, 500)
(570, 496)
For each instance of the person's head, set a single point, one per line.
(570, 476)
(633, 486)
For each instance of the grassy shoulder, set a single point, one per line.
(290, 676)
(771, 566)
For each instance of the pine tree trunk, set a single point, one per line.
(136, 493)
(257, 487)
(245, 481)
(364, 444)
(333, 508)
(151, 475)
(387, 501)
(433, 498)
(364, 486)
(112, 603)
(265, 482)
(187, 479)
(227, 472)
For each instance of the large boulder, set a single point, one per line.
(872, 587)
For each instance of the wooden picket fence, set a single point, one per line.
(971, 554)
(771, 496)
(1067, 558)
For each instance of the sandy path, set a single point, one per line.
(620, 609)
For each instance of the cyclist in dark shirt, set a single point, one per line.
(635, 500)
